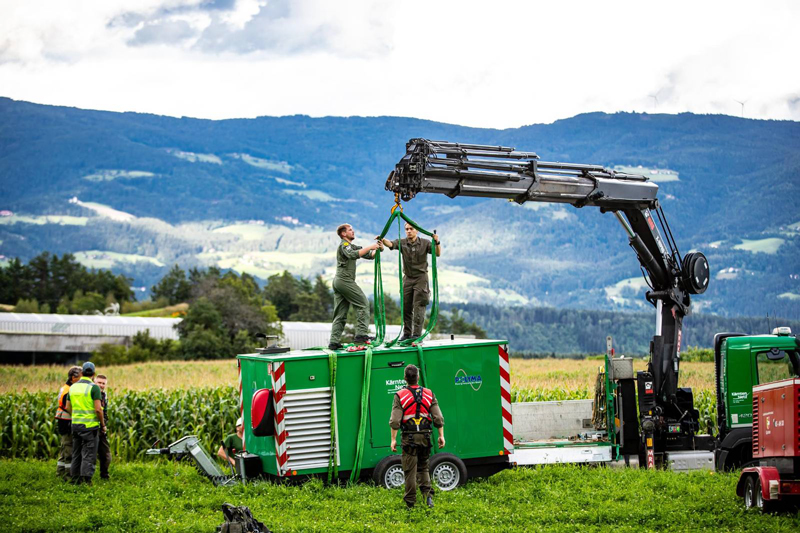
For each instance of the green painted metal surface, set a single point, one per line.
(463, 374)
(740, 373)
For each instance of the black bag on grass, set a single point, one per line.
(240, 520)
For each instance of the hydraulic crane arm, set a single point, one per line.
(484, 171)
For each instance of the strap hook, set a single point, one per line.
(396, 203)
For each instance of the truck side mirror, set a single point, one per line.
(262, 413)
(775, 354)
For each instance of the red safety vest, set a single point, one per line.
(416, 404)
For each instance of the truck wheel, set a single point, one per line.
(750, 492)
(447, 471)
(388, 473)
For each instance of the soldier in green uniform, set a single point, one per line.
(416, 289)
(345, 290)
(416, 410)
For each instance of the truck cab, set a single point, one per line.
(742, 362)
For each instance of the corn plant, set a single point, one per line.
(137, 421)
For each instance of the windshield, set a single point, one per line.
(776, 369)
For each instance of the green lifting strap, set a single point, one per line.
(333, 464)
(378, 300)
(362, 425)
(380, 331)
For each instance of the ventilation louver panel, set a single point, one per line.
(308, 427)
(755, 426)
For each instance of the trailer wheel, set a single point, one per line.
(750, 492)
(447, 471)
(388, 473)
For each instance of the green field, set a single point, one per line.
(766, 246)
(172, 497)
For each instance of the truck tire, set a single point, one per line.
(750, 492)
(447, 471)
(388, 473)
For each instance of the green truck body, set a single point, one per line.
(741, 363)
(465, 376)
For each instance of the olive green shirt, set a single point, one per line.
(396, 418)
(346, 257)
(415, 256)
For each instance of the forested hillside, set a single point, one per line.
(139, 193)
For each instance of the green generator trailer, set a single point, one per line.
(298, 424)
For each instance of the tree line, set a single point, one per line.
(226, 310)
(49, 284)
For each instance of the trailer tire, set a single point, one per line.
(388, 473)
(447, 471)
(750, 492)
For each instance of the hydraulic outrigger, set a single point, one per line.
(668, 419)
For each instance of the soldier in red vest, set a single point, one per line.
(417, 412)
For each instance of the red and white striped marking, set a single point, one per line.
(279, 387)
(241, 400)
(505, 400)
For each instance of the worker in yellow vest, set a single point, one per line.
(83, 402)
(63, 421)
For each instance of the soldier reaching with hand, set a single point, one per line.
(416, 289)
(345, 290)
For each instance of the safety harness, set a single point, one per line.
(416, 404)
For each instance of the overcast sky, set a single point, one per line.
(477, 63)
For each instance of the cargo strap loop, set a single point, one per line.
(379, 301)
(362, 424)
(333, 463)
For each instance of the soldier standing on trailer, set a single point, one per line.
(345, 290)
(416, 289)
(416, 411)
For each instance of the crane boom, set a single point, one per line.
(456, 169)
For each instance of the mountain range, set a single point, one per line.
(138, 193)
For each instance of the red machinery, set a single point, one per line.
(776, 447)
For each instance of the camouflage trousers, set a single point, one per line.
(416, 296)
(64, 456)
(416, 454)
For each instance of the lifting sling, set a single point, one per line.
(380, 339)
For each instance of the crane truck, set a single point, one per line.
(317, 412)
(668, 423)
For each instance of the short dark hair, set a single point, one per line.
(341, 229)
(100, 376)
(412, 375)
(88, 372)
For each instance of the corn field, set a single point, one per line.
(137, 419)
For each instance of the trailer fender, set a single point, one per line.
(764, 473)
(262, 413)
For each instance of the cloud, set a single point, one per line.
(163, 32)
(274, 27)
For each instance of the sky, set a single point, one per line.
(496, 64)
